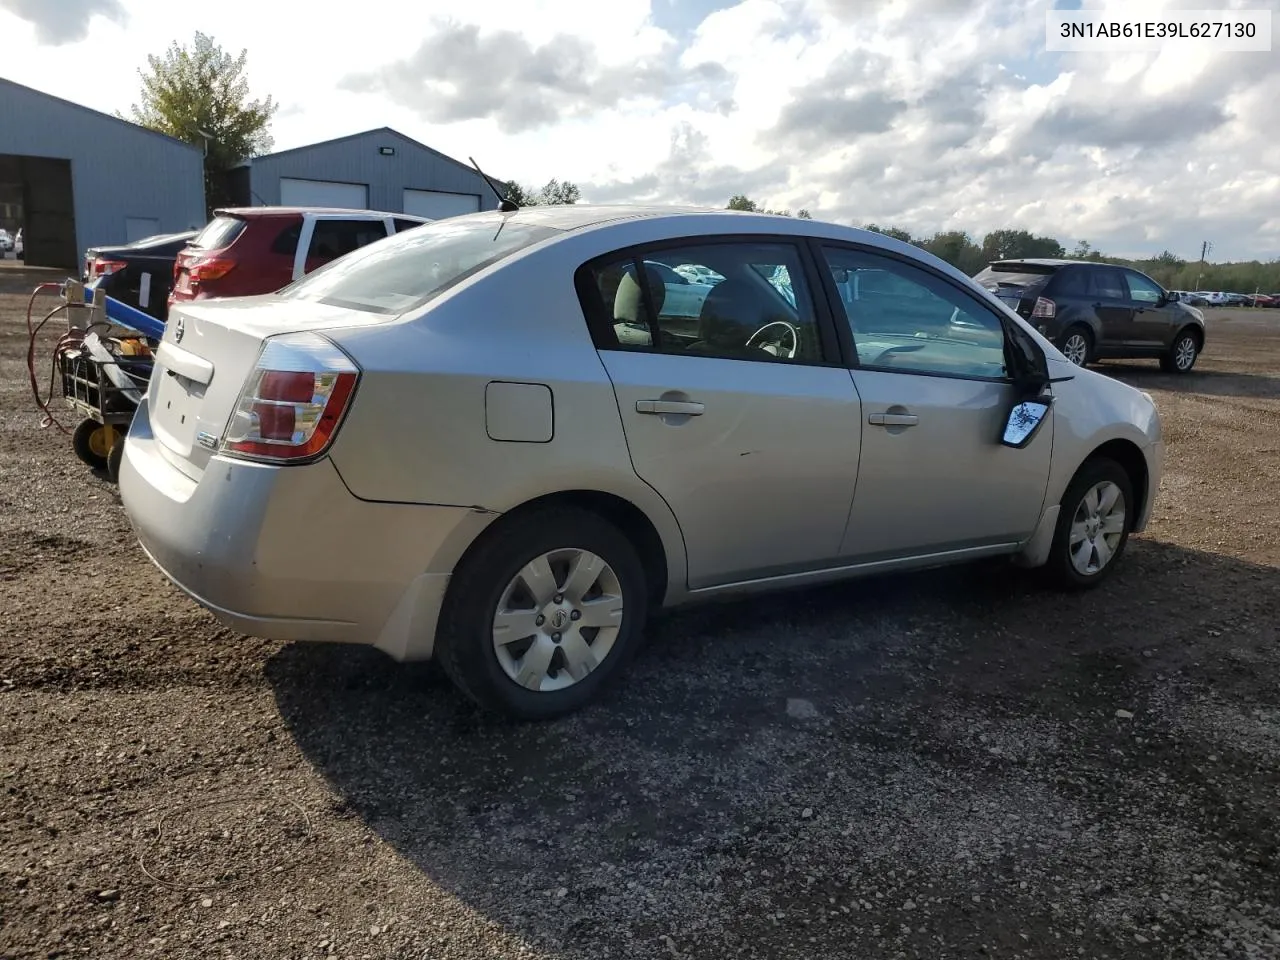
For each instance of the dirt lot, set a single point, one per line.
(920, 766)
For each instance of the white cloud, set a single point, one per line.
(929, 114)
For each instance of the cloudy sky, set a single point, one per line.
(927, 114)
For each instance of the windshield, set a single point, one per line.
(409, 268)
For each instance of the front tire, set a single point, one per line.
(542, 613)
(1097, 512)
(1183, 354)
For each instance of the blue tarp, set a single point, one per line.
(124, 315)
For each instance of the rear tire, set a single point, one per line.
(1097, 512)
(1077, 345)
(90, 444)
(524, 655)
(1183, 354)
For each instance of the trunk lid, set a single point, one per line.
(208, 351)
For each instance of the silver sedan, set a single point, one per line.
(487, 440)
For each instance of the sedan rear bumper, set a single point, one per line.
(288, 553)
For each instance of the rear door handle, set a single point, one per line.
(688, 408)
(893, 419)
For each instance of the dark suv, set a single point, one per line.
(1094, 310)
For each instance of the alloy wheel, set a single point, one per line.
(1076, 349)
(557, 619)
(1184, 354)
(1097, 528)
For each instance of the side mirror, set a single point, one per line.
(1024, 422)
(840, 274)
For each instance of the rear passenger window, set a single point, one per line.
(1108, 284)
(402, 225)
(759, 308)
(336, 238)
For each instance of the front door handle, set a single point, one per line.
(893, 419)
(687, 408)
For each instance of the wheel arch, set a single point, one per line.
(656, 556)
(1129, 456)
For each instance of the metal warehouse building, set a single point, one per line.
(377, 170)
(74, 178)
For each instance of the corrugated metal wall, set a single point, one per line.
(119, 172)
(356, 160)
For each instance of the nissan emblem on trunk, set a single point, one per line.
(179, 331)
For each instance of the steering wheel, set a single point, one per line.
(777, 344)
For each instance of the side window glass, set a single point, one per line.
(749, 302)
(905, 319)
(336, 238)
(402, 225)
(1070, 282)
(1141, 289)
(1108, 284)
(286, 242)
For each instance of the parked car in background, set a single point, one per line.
(440, 445)
(1093, 311)
(139, 273)
(251, 250)
(1264, 300)
(698, 274)
(1193, 298)
(6, 241)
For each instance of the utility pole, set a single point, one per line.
(1204, 251)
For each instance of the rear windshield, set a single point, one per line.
(1012, 278)
(407, 269)
(219, 233)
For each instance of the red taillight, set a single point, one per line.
(102, 268)
(214, 269)
(1044, 309)
(290, 387)
(293, 401)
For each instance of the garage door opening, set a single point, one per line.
(437, 205)
(36, 198)
(323, 193)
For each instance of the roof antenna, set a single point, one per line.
(505, 204)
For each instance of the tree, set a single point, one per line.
(201, 95)
(897, 233)
(955, 247)
(1016, 244)
(744, 203)
(553, 193)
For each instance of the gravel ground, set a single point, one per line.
(947, 764)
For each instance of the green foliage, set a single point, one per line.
(553, 193)
(1018, 244)
(897, 233)
(203, 88)
(740, 202)
(1167, 268)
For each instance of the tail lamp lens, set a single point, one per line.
(1045, 309)
(293, 401)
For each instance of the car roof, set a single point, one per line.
(251, 212)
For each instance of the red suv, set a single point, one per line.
(251, 250)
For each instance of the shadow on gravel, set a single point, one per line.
(1211, 383)
(890, 764)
